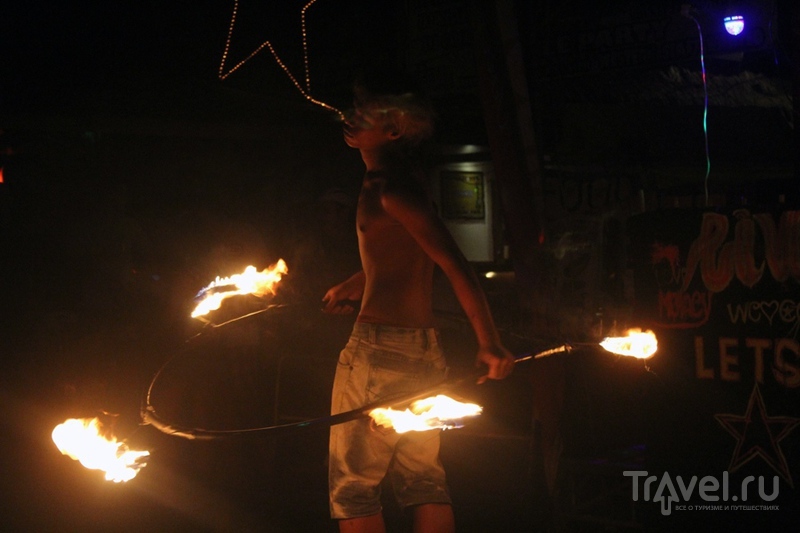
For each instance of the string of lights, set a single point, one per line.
(223, 74)
(686, 11)
(305, 43)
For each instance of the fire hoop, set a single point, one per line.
(151, 417)
(635, 343)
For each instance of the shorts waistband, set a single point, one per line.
(375, 333)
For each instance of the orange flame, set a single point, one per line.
(248, 282)
(636, 343)
(82, 440)
(437, 412)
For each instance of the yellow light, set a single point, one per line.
(436, 412)
(636, 343)
(82, 440)
(250, 281)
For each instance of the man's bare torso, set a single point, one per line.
(399, 274)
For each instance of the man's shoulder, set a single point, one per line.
(399, 182)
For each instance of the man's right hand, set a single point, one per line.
(343, 298)
(498, 359)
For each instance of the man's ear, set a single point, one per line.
(396, 130)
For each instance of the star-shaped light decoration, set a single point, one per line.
(759, 435)
(306, 92)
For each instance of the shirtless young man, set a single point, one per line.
(394, 346)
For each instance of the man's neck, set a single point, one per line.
(373, 160)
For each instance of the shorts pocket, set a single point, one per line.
(392, 374)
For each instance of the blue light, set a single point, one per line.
(734, 25)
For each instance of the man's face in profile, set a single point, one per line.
(366, 127)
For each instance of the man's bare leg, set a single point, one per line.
(434, 518)
(363, 524)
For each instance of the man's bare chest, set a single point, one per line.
(371, 217)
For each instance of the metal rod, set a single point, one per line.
(546, 353)
(247, 315)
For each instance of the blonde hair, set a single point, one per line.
(411, 112)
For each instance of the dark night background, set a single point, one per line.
(132, 176)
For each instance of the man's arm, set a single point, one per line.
(420, 220)
(340, 300)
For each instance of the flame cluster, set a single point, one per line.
(436, 412)
(636, 343)
(250, 281)
(82, 439)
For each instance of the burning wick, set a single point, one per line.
(436, 412)
(81, 439)
(636, 343)
(248, 282)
